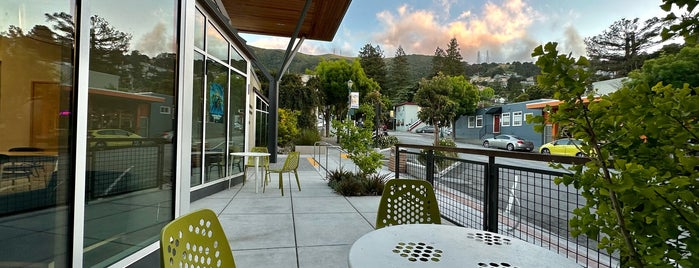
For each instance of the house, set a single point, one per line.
(406, 116)
(508, 118)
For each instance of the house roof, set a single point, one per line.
(280, 17)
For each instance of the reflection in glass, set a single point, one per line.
(238, 62)
(216, 44)
(132, 75)
(216, 117)
(236, 126)
(36, 86)
(199, 24)
(197, 118)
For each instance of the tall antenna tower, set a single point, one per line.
(479, 57)
(487, 56)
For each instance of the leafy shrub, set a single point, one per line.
(374, 183)
(351, 187)
(307, 137)
(348, 183)
(385, 141)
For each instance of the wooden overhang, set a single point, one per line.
(280, 17)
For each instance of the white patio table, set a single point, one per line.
(257, 156)
(437, 245)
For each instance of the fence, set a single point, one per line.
(504, 192)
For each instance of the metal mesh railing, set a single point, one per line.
(483, 189)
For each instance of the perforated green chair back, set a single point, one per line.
(264, 161)
(291, 164)
(406, 201)
(195, 240)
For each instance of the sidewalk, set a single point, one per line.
(314, 227)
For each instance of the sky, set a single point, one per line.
(501, 30)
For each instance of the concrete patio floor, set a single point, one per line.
(314, 227)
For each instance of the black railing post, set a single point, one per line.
(429, 159)
(490, 219)
(397, 162)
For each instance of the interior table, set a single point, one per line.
(257, 156)
(437, 245)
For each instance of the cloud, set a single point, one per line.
(157, 41)
(573, 43)
(501, 29)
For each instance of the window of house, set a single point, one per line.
(527, 116)
(471, 121)
(517, 118)
(479, 121)
(505, 119)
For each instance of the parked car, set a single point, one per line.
(168, 135)
(509, 142)
(96, 136)
(567, 146)
(425, 129)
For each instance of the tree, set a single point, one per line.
(333, 77)
(436, 105)
(621, 48)
(453, 63)
(686, 25)
(398, 78)
(641, 183)
(466, 96)
(296, 96)
(372, 61)
(107, 46)
(438, 61)
(448, 62)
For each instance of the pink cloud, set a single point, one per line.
(494, 29)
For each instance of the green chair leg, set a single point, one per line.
(297, 180)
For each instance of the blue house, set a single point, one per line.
(508, 118)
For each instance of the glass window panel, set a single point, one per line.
(238, 62)
(197, 118)
(217, 46)
(132, 74)
(199, 25)
(237, 121)
(216, 118)
(36, 87)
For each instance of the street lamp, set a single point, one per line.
(349, 97)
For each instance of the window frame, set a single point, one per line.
(505, 119)
(479, 119)
(517, 118)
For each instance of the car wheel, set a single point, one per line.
(100, 144)
(545, 151)
(579, 154)
(486, 144)
(510, 147)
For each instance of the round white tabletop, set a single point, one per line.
(437, 245)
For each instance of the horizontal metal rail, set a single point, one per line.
(482, 188)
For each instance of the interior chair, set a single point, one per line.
(215, 160)
(291, 164)
(407, 201)
(195, 240)
(236, 161)
(264, 163)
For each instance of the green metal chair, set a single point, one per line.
(405, 201)
(195, 240)
(264, 163)
(291, 164)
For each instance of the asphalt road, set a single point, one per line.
(541, 201)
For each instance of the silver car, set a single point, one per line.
(509, 142)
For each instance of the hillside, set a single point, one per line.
(420, 65)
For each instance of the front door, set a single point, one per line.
(496, 123)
